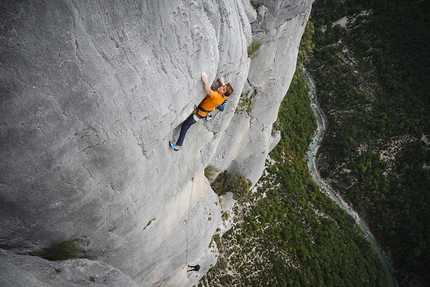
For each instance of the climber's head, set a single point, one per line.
(226, 90)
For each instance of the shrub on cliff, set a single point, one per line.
(238, 185)
(65, 250)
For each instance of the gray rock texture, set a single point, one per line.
(17, 270)
(91, 92)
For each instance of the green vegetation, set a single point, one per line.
(306, 45)
(149, 223)
(245, 103)
(239, 185)
(289, 233)
(225, 216)
(221, 184)
(68, 249)
(253, 49)
(217, 240)
(211, 173)
(372, 81)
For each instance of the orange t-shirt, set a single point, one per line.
(210, 103)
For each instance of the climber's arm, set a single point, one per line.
(206, 85)
(222, 106)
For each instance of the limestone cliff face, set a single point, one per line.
(91, 93)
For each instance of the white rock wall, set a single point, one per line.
(91, 93)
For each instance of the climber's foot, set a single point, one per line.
(174, 146)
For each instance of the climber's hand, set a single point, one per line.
(206, 86)
(205, 77)
(221, 80)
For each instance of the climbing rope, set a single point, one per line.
(192, 188)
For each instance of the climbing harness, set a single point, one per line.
(192, 188)
(209, 114)
(202, 109)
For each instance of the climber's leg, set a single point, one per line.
(185, 126)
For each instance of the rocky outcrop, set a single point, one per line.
(91, 93)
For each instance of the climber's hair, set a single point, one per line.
(229, 90)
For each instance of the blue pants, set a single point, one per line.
(185, 126)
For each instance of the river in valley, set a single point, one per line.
(313, 148)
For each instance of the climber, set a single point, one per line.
(194, 268)
(214, 99)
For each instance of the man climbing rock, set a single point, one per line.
(214, 99)
(193, 268)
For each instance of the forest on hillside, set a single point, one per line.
(372, 74)
(288, 232)
(370, 59)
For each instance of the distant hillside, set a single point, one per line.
(372, 72)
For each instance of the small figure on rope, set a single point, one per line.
(214, 99)
(193, 268)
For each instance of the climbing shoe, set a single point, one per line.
(174, 146)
